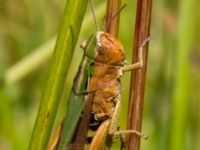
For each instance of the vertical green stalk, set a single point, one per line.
(185, 39)
(66, 41)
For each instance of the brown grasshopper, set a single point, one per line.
(104, 58)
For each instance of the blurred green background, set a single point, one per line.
(172, 97)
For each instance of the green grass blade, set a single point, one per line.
(186, 31)
(29, 63)
(66, 41)
(40, 55)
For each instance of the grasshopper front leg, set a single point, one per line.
(138, 64)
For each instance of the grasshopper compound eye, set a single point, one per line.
(103, 49)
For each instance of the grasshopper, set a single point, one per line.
(109, 66)
(97, 84)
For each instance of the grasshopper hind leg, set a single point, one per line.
(114, 130)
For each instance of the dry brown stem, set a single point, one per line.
(138, 76)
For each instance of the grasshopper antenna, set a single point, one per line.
(94, 15)
(117, 13)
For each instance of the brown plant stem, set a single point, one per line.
(136, 98)
(112, 24)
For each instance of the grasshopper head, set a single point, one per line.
(109, 50)
(104, 48)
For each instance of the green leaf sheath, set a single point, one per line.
(66, 41)
(76, 100)
(75, 105)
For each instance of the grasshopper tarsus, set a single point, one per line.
(125, 132)
(145, 41)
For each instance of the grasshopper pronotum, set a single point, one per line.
(98, 81)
